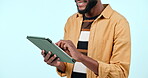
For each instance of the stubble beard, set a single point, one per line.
(89, 6)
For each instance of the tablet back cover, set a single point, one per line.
(47, 45)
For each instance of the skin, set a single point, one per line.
(69, 47)
(50, 61)
(96, 10)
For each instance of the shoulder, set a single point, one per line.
(70, 21)
(73, 16)
(121, 24)
(118, 18)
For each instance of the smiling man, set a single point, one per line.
(99, 39)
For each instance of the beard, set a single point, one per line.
(89, 6)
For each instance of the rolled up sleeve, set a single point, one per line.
(62, 74)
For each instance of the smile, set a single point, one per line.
(81, 4)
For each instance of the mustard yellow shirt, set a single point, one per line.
(109, 44)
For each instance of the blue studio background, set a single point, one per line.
(19, 18)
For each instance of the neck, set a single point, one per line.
(96, 10)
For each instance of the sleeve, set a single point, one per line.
(62, 74)
(120, 58)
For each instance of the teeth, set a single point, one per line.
(80, 3)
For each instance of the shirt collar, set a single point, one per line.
(106, 13)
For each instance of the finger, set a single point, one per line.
(58, 43)
(47, 56)
(61, 44)
(43, 52)
(65, 47)
(55, 62)
(51, 59)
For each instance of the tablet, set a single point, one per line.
(47, 45)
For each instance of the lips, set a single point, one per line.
(81, 4)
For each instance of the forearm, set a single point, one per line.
(61, 67)
(90, 63)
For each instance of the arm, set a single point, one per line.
(68, 46)
(119, 64)
(89, 63)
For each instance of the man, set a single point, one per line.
(99, 39)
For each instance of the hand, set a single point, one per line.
(69, 48)
(51, 60)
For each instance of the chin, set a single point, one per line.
(81, 9)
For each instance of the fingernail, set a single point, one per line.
(55, 55)
(49, 53)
